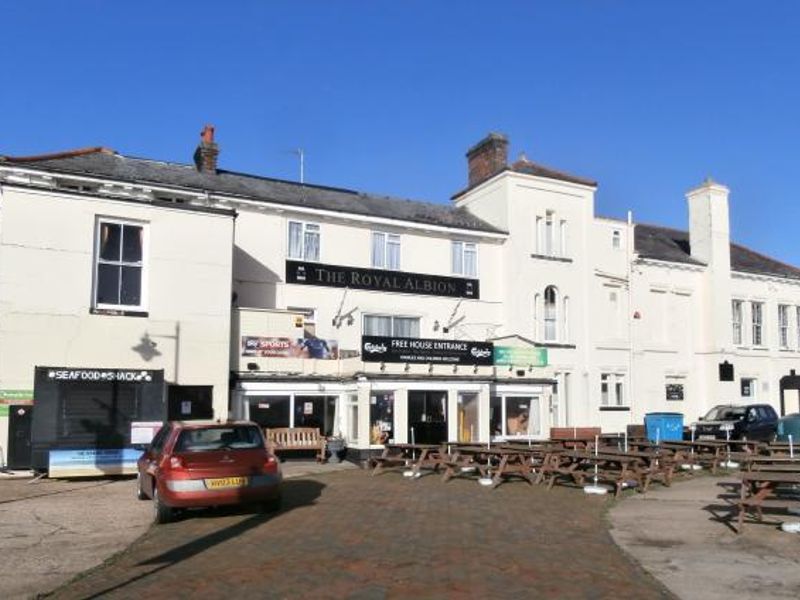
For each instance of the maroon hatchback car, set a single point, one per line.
(190, 465)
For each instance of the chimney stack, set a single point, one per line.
(487, 158)
(205, 156)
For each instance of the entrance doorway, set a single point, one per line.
(427, 416)
(315, 411)
(19, 436)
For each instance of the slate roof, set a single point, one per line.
(672, 245)
(104, 163)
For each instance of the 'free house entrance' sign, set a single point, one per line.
(375, 348)
(306, 273)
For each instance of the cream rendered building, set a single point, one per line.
(371, 317)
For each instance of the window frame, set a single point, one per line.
(757, 324)
(392, 318)
(614, 382)
(144, 266)
(552, 316)
(737, 310)
(304, 225)
(616, 239)
(386, 243)
(462, 254)
(783, 326)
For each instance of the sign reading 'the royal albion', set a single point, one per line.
(307, 273)
(376, 348)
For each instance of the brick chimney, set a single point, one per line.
(487, 158)
(205, 156)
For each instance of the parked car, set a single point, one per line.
(751, 421)
(191, 465)
(788, 426)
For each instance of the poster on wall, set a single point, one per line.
(91, 462)
(375, 348)
(674, 391)
(284, 347)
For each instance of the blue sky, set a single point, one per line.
(647, 98)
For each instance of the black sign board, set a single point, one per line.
(307, 273)
(376, 348)
(674, 391)
(725, 371)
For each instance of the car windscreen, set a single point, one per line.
(726, 413)
(231, 437)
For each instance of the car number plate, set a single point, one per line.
(707, 437)
(226, 482)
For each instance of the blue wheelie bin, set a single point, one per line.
(664, 426)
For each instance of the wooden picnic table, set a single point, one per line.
(401, 455)
(763, 462)
(761, 489)
(618, 469)
(497, 462)
(780, 449)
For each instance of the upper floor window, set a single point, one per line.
(758, 323)
(385, 250)
(616, 239)
(550, 314)
(549, 235)
(304, 241)
(783, 325)
(389, 325)
(119, 264)
(552, 235)
(464, 258)
(562, 237)
(736, 307)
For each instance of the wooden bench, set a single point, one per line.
(575, 437)
(284, 439)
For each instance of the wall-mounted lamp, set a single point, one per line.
(510, 368)
(430, 368)
(252, 366)
(475, 369)
(383, 366)
(455, 368)
(407, 368)
(350, 320)
(436, 325)
(530, 368)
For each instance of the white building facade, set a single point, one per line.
(513, 310)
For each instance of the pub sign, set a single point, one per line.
(375, 348)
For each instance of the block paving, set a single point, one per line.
(350, 535)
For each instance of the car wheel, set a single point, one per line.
(273, 505)
(161, 512)
(139, 491)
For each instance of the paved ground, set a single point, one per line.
(677, 535)
(51, 530)
(348, 535)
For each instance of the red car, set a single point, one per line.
(190, 465)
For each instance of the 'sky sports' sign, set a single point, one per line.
(376, 348)
(306, 273)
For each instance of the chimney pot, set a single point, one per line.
(205, 156)
(487, 158)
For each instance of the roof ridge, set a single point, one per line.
(57, 155)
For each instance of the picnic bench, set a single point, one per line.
(405, 456)
(285, 439)
(618, 469)
(575, 437)
(763, 489)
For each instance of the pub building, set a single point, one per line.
(511, 309)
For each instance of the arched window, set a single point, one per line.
(550, 314)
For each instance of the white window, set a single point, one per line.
(563, 238)
(549, 235)
(783, 325)
(514, 416)
(758, 323)
(565, 319)
(797, 326)
(612, 389)
(616, 239)
(550, 314)
(389, 325)
(748, 386)
(385, 250)
(464, 258)
(736, 306)
(539, 235)
(119, 264)
(304, 241)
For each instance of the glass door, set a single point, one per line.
(467, 417)
(427, 422)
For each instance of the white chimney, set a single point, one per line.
(709, 229)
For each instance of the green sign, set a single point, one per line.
(14, 396)
(521, 356)
(3, 410)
